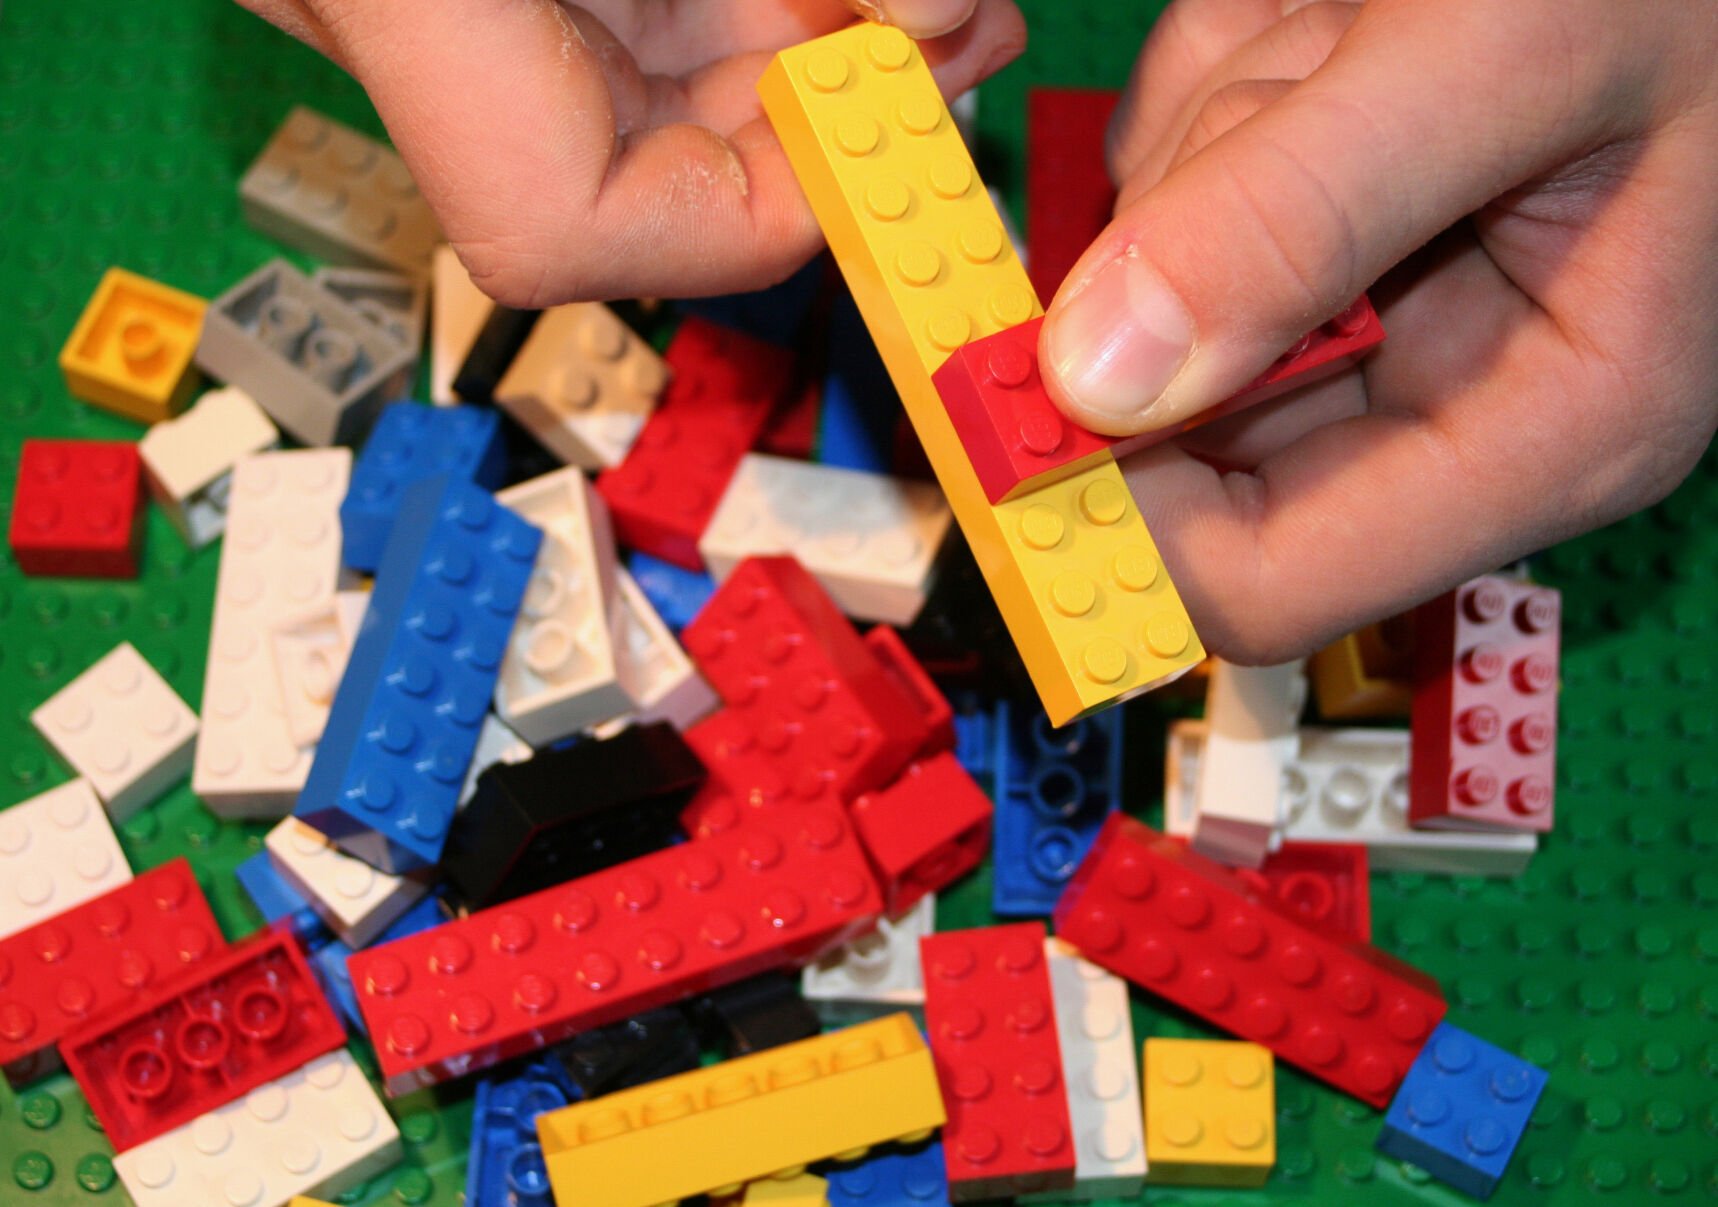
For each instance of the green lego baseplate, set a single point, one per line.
(123, 132)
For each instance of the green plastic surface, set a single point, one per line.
(123, 130)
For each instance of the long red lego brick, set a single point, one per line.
(1485, 707)
(991, 1021)
(1069, 195)
(774, 892)
(207, 1037)
(1175, 923)
(1018, 440)
(820, 703)
(725, 386)
(59, 974)
(1324, 883)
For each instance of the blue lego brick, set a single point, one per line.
(894, 1177)
(404, 723)
(329, 960)
(1461, 1110)
(856, 427)
(777, 314)
(409, 443)
(677, 594)
(1053, 789)
(506, 1166)
(276, 900)
(975, 739)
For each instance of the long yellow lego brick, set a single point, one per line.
(1075, 574)
(713, 1129)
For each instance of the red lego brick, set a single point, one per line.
(95, 957)
(991, 1022)
(724, 389)
(742, 777)
(775, 892)
(1173, 922)
(1484, 727)
(792, 430)
(1069, 195)
(818, 701)
(924, 831)
(1014, 435)
(78, 510)
(1324, 884)
(910, 675)
(231, 1023)
(1018, 440)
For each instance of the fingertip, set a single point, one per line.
(917, 18)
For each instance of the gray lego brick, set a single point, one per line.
(393, 301)
(327, 190)
(317, 366)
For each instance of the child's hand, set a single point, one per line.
(614, 148)
(1534, 186)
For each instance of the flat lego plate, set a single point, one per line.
(125, 129)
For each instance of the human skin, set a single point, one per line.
(1528, 188)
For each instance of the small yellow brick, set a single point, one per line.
(714, 1129)
(1210, 1112)
(301, 1201)
(131, 350)
(802, 1190)
(1364, 674)
(1073, 569)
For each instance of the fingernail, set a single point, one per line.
(922, 18)
(1118, 342)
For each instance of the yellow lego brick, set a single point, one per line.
(301, 1201)
(714, 1129)
(801, 1190)
(131, 349)
(1368, 673)
(1210, 1112)
(1073, 569)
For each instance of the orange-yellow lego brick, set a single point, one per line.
(1210, 1112)
(716, 1128)
(131, 349)
(1073, 569)
(1368, 673)
(301, 1201)
(801, 1190)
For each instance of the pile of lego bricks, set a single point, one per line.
(579, 766)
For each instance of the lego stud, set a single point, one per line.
(1533, 674)
(1134, 568)
(141, 344)
(918, 264)
(979, 242)
(146, 1072)
(920, 114)
(1167, 634)
(1041, 526)
(857, 135)
(1073, 593)
(282, 325)
(1485, 602)
(1104, 660)
(1346, 797)
(1482, 664)
(1479, 725)
(331, 357)
(1529, 796)
(826, 69)
(888, 48)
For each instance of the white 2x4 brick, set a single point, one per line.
(57, 851)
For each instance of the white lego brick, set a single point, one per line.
(310, 649)
(870, 539)
(188, 462)
(583, 384)
(653, 668)
(495, 744)
(122, 728)
(1351, 785)
(316, 1131)
(57, 850)
(354, 899)
(558, 675)
(1252, 714)
(458, 310)
(1101, 1071)
(281, 557)
(875, 974)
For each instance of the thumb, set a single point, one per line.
(1277, 224)
(916, 18)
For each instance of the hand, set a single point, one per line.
(1532, 185)
(615, 148)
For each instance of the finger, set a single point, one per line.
(1248, 438)
(1185, 44)
(1366, 516)
(533, 180)
(916, 18)
(1291, 50)
(1275, 226)
(1221, 112)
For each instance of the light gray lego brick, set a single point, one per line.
(393, 301)
(338, 195)
(317, 366)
